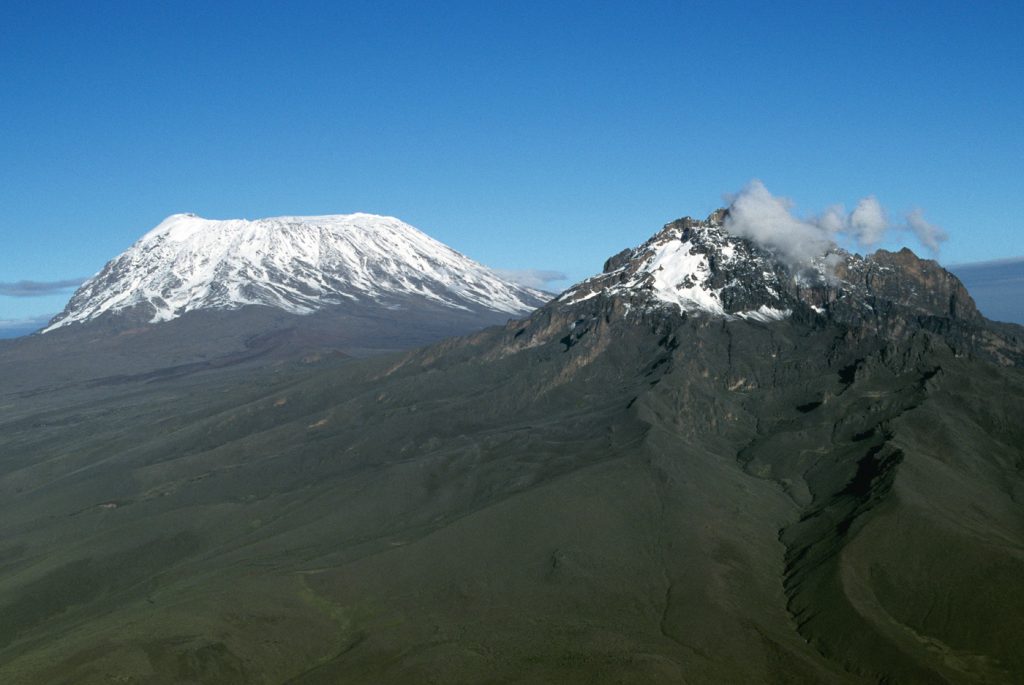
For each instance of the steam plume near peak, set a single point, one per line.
(769, 221)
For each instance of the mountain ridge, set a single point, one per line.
(697, 268)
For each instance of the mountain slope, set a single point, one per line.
(614, 489)
(296, 264)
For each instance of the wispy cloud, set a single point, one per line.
(930, 235)
(769, 221)
(38, 288)
(532, 278)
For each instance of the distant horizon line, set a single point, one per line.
(989, 262)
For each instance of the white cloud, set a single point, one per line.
(833, 220)
(867, 222)
(769, 221)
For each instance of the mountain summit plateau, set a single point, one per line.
(298, 264)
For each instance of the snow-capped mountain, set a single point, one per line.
(298, 264)
(696, 267)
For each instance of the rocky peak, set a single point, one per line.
(693, 266)
(697, 268)
(919, 284)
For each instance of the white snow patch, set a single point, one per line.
(765, 313)
(673, 273)
(680, 278)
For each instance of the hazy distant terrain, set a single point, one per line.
(997, 287)
(16, 331)
(18, 328)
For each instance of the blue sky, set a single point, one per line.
(543, 135)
